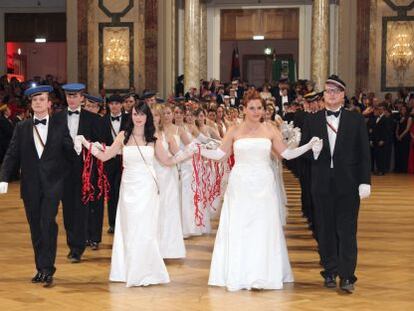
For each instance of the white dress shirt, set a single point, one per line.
(73, 123)
(116, 125)
(42, 129)
(334, 122)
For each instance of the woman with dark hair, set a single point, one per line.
(250, 248)
(136, 258)
(402, 142)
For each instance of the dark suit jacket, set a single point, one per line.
(108, 138)
(39, 176)
(351, 158)
(6, 133)
(90, 127)
(381, 131)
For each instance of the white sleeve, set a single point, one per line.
(213, 154)
(293, 153)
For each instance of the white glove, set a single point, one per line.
(77, 143)
(3, 187)
(364, 191)
(202, 138)
(181, 156)
(317, 148)
(98, 146)
(290, 154)
(215, 155)
(192, 147)
(212, 145)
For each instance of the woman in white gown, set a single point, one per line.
(136, 258)
(171, 238)
(250, 248)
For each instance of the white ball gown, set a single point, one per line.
(171, 238)
(136, 258)
(190, 227)
(250, 248)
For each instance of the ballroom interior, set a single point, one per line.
(125, 46)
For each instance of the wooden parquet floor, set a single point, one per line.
(385, 267)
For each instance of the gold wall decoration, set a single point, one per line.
(397, 63)
(400, 48)
(116, 57)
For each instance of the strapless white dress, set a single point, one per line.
(171, 238)
(250, 248)
(136, 258)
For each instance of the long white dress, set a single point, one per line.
(190, 227)
(280, 186)
(171, 238)
(136, 258)
(250, 248)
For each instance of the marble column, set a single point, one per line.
(203, 40)
(372, 71)
(191, 44)
(320, 42)
(83, 9)
(362, 48)
(72, 41)
(151, 40)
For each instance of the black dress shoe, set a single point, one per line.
(37, 278)
(75, 258)
(330, 281)
(111, 230)
(88, 243)
(94, 246)
(347, 286)
(69, 255)
(47, 280)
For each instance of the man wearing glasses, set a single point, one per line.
(341, 176)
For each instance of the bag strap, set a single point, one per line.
(38, 136)
(145, 162)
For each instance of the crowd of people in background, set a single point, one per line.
(389, 121)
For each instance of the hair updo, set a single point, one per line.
(252, 95)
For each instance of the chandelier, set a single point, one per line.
(116, 52)
(401, 48)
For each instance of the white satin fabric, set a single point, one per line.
(136, 258)
(171, 238)
(250, 248)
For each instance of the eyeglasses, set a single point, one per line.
(333, 91)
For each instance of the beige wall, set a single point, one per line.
(96, 16)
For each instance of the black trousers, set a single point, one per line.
(75, 214)
(114, 174)
(41, 215)
(382, 158)
(95, 220)
(336, 217)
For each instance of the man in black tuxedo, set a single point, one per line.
(96, 206)
(40, 147)
(382, 140)
(75, 213)
(6, 129)
(282, 96)
(112, 125)
(340, 173)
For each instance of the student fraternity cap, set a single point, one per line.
(311, 97)
(73, 88)
(115, 98)
(94, 99)
(37, 90)
(334, 79)
(148, 94)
